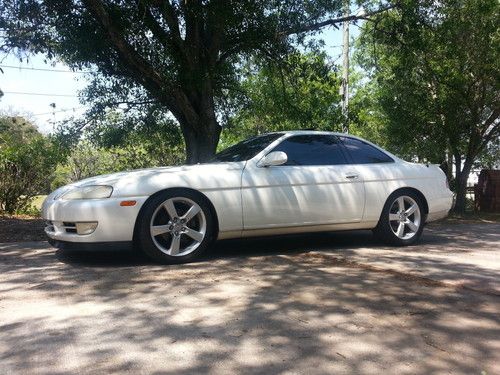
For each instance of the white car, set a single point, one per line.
(272, 184)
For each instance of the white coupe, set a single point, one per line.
(272, 184)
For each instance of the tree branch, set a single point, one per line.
(494, 132)
(153, 25)
(168, 13)
(171, 19)
(333, 22)
(133, 61)
(167, 39)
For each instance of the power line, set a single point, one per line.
(37, 94)
(58, 111)
(46, 70)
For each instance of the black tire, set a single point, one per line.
(153, 248)
(385, 229)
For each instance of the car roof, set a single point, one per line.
(307, 131)
(292, 132)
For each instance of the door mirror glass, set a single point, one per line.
(273, 158)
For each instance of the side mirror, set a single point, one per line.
(273, 158)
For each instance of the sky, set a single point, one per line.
(56, 84)
(19, 83)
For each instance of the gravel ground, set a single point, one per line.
(318, 304)
(21, 228)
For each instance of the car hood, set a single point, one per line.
(147, 181)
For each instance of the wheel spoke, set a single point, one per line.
(401, 230)
(401, 204)
(411, 225)
(169, 223)
(174, 246)
(160, 229)
(192, 212)
(169, 206)
(393, 217)
(197, 236)
(412, 209)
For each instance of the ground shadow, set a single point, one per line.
(255, 306)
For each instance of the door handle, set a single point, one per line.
(352, 176)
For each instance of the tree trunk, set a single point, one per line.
(461, 186)
(195, 111)
(201, 141)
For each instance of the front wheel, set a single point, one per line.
(402, 220)
(175, 227)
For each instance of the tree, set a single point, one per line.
(17, 128)
(27, 160)
(133, 132)
(300, 92)
(436, 68)
(182, 55)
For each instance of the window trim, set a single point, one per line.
(342, 148)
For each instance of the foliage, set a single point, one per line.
(301, 92)
(17, 128)
(118, 142)
(181, 56)
(86, 160)
(366, 117)
(27, 161)
(490, 157)
(158, 136)
(436, 73)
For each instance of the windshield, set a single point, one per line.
(246, 149)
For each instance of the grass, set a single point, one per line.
(37, 201)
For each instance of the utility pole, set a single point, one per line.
(53, 105)
(345, 68)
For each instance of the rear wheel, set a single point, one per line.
(175, 226)
(402, 220)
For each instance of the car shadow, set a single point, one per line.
(235, 248)
(328, 242)
(121, 313)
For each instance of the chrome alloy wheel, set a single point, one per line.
(405, 217)
(178, 226)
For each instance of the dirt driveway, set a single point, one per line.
(321, 304)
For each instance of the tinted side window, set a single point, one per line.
(312, 150)
(363, 153)
(246, 149)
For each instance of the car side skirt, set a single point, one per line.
(296, 229)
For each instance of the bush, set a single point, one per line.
(87, 160)
(26, 168)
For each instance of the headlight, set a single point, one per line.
(88, 192)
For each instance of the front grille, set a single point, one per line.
(69, 227)
(49, 226)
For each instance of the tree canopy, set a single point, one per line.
(300, 92)
(436, 73)
(16, 128)
(183, 55)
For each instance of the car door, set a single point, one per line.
(316, 186)
(381, 175)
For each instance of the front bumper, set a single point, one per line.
(115, 223)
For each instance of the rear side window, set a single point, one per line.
(363, 153)
(312, 150)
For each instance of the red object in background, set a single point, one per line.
(487, 191)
